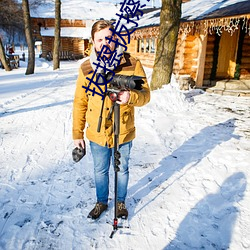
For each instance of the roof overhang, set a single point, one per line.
(73, 32)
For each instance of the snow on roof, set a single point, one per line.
(80, 32)
(149, 19)
(191, 11)
(78, 9)
(199, 9)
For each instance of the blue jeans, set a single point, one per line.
(102, 158)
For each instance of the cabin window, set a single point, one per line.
(138, 46)
(146, 45)
(152, 45)
(142, 45)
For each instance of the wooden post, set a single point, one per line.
(144, 45)
(140, 42)
(201, 60)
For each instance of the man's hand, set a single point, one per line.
(123, 97)
(79, 143)
(78, 152)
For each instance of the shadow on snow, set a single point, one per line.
(214, 220)
(190, 153)
(210, 223)
(23, 110)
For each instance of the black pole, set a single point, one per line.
(100, 117)
(116, 161)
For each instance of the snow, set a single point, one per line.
(149, 19)
(192, 10)
(84, 33)
(189, 169)
(93, 10)
(86, 9)
(78, 9)
(197, 9)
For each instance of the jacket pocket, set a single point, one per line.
(127, 120)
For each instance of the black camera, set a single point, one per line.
(123, 82)
(78, 153)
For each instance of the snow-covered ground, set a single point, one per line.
(189, 169)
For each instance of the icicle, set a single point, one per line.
(216, 25)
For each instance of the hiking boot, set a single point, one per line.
(122, 211)
(97, 210)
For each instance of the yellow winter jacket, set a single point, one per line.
(87, 107)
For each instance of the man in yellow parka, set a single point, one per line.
(87, 107)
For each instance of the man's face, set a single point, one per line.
(100, 40)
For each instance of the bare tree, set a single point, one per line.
(28, 33)
(11, 24)
(36, 3)
(3, 57)
(168, 34)
(56, 59)
(11, 16)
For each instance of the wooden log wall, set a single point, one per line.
(47, 45)
(50, 22)
(141, 39)
(187, 50)
(79, 46)
(73, 45)
(186, 55)
(178, 61)
(245, 60)
(132, 47)
(66, 44)
(191, 55)
(146, 57)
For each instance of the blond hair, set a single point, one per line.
(100, 25)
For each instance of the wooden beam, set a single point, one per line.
(201, 60)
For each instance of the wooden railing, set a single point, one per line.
(64, 55)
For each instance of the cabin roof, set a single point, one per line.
(208, 9)
(77, 32)
(77, 10)
(196, 10)
(193, 10)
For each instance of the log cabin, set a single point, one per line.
(76, 21)
(213, 41)
(74, 37)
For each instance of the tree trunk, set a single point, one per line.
(3, 57)
(168, 34)
(28, 33)
(56, 59)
